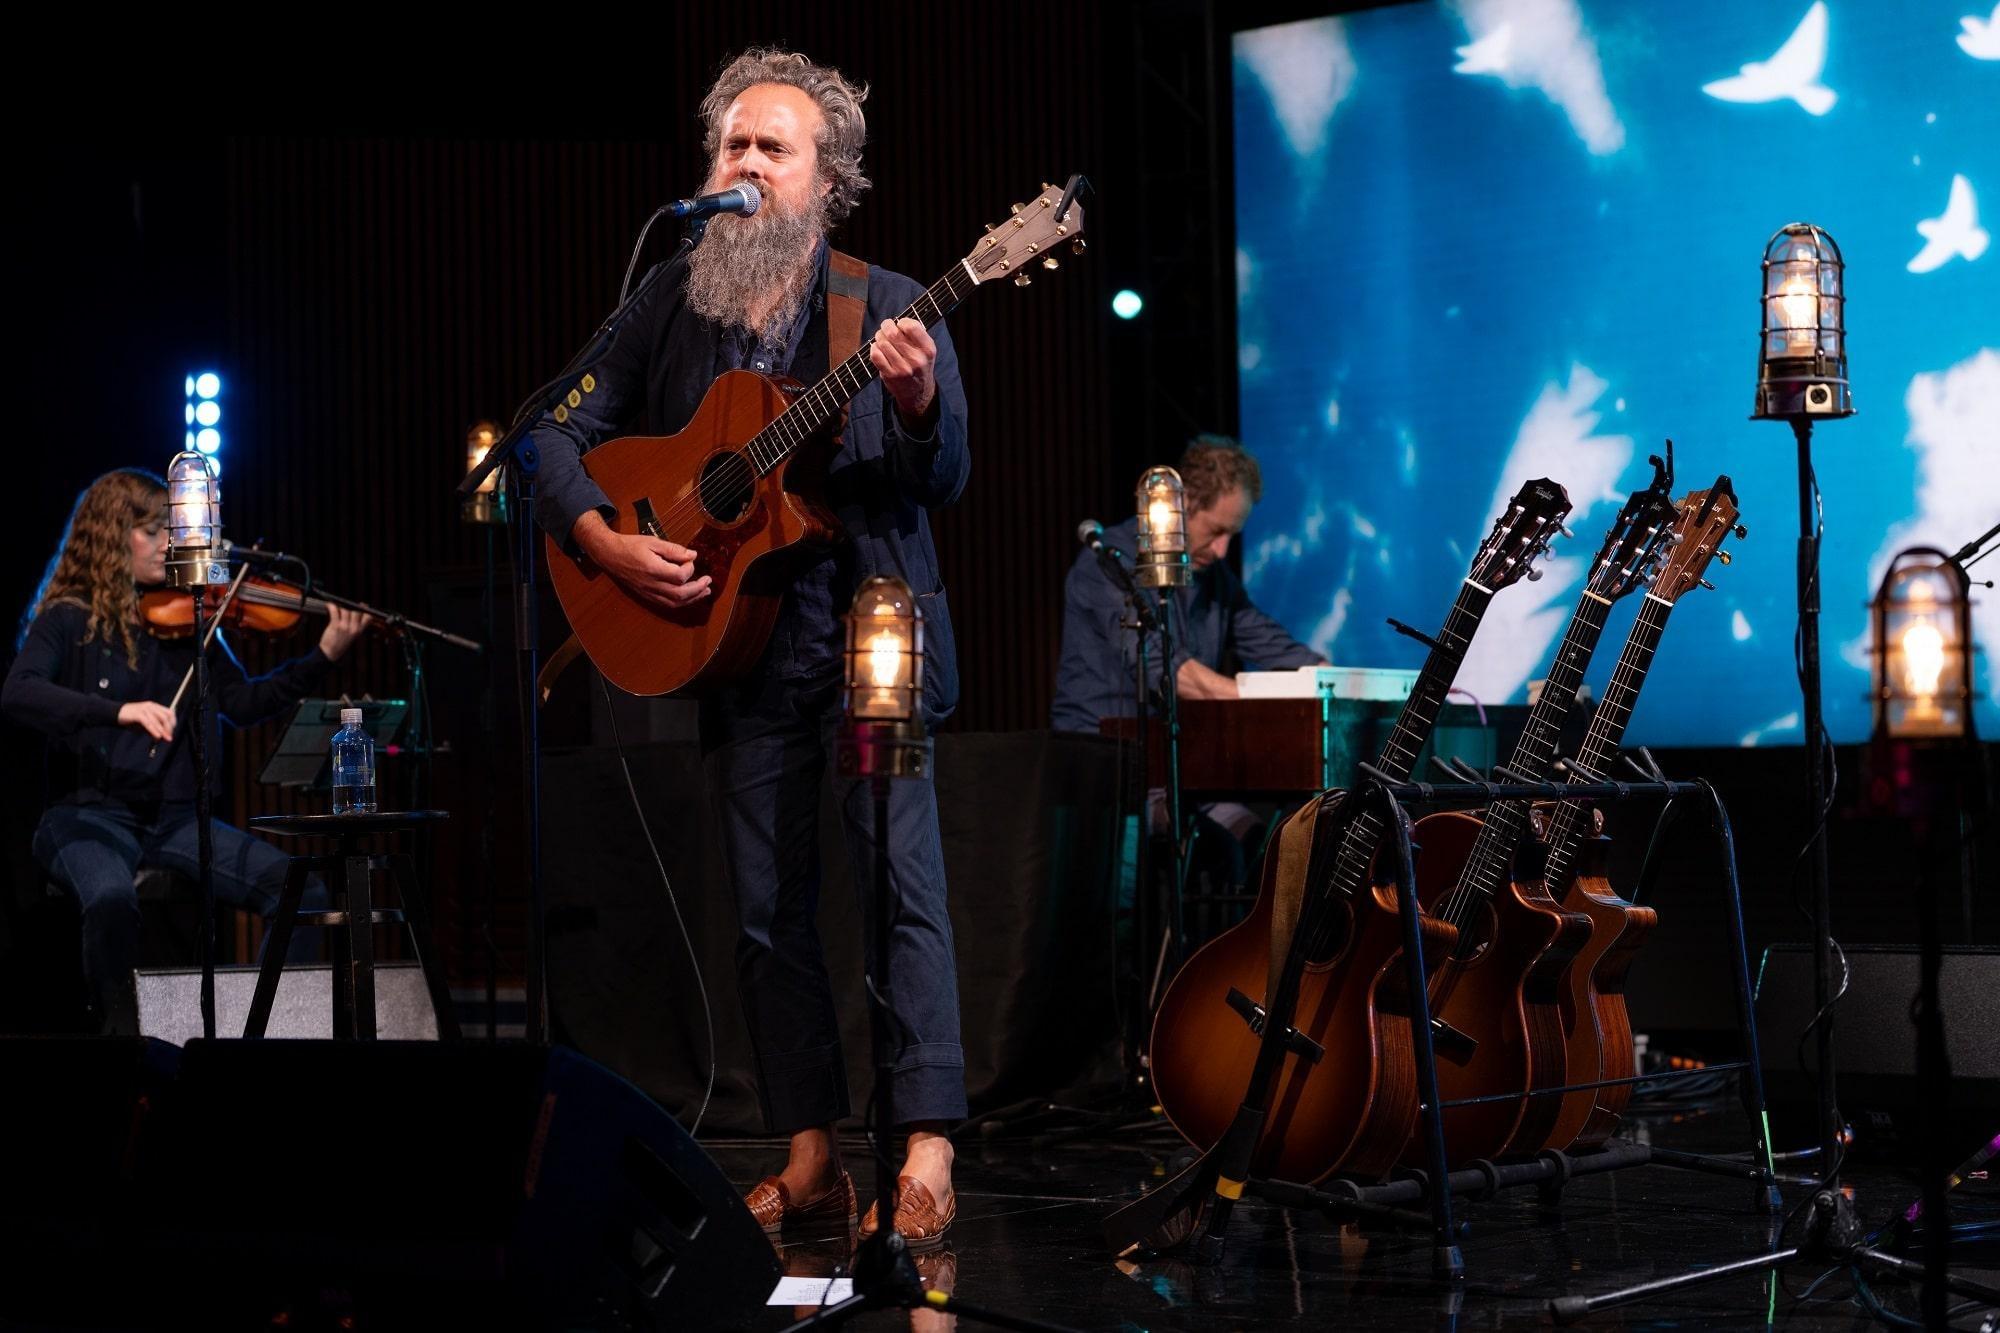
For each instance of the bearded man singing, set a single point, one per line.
(753, 295)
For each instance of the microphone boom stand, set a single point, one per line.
(516, 449)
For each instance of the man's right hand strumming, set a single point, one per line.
(658, 573)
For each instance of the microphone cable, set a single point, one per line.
(673, 901)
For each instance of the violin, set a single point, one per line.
(260, 606)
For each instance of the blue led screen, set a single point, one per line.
(1495, 239)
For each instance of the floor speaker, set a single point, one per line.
(397, 1184)
(1875, 1043)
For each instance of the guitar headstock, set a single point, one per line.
(1032, 239)
(1706, 519)
(1521, 535)
(1638, 536)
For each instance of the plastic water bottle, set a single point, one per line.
(353, 766)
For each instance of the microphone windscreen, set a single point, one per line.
(752, 200)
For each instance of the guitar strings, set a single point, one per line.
(1600, 743)
(736, 473)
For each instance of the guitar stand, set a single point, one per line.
(1198, 1201)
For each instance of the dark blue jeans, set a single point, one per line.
(94, 850)
(767, 747)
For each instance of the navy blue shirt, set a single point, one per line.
(879, 484)
(70, 689)
(1212, 616)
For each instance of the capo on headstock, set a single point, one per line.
(1077, 182)
(1663, 473)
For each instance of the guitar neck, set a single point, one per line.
(1413, 726)
(1491, 860)
(820, 404)
(1607, 729)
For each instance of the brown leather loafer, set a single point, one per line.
(773, 1207)
(917, 1217)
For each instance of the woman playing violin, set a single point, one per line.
(90, 678)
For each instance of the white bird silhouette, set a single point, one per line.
(1957, 233)
(1981, 38)
(1793, 72)
(1488, 55)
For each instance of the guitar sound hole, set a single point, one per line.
(727, 485)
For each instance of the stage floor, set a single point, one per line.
(1025, 1243)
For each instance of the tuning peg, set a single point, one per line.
(1076, 247)
(1741, 532)
(1051, 264)
(1706, 584)
(1534, 575)
(1023, 280)
(989, 226)
(1565, 531)
(1724, 556)
(1014, 208)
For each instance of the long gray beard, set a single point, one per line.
(741, 259)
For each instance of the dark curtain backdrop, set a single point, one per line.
(371, 285)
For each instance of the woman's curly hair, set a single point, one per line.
(92, 566)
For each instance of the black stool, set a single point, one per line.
(347, 873)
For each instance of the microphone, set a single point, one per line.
(1091, 533)
(740, 198)
(257, 555)
(1109, 558)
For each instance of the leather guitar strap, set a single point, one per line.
(846, 305)
(1291, 855)
(846, 312)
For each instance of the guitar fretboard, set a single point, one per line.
(1491, 861)
(817, 405)
(1413, 728)
(1600, 744)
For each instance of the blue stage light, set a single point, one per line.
(208, 412)
(1127, 304)
(207, 384)
(208, 441)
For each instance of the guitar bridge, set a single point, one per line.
(1297, 1042)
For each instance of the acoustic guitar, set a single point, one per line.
(1596, 1026)
(1495, 999)
(1348, 1098)
(739, 486)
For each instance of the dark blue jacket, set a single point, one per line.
(70, 689)
(879, 484)
(1213, 615)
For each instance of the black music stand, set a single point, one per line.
(302, 759)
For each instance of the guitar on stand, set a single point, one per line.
(1494, 1001)
(740, 486)
(1597, 1029)
(1345, 1092)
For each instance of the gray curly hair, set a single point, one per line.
(842, 131)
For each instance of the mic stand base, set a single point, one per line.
(1833, 1240)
